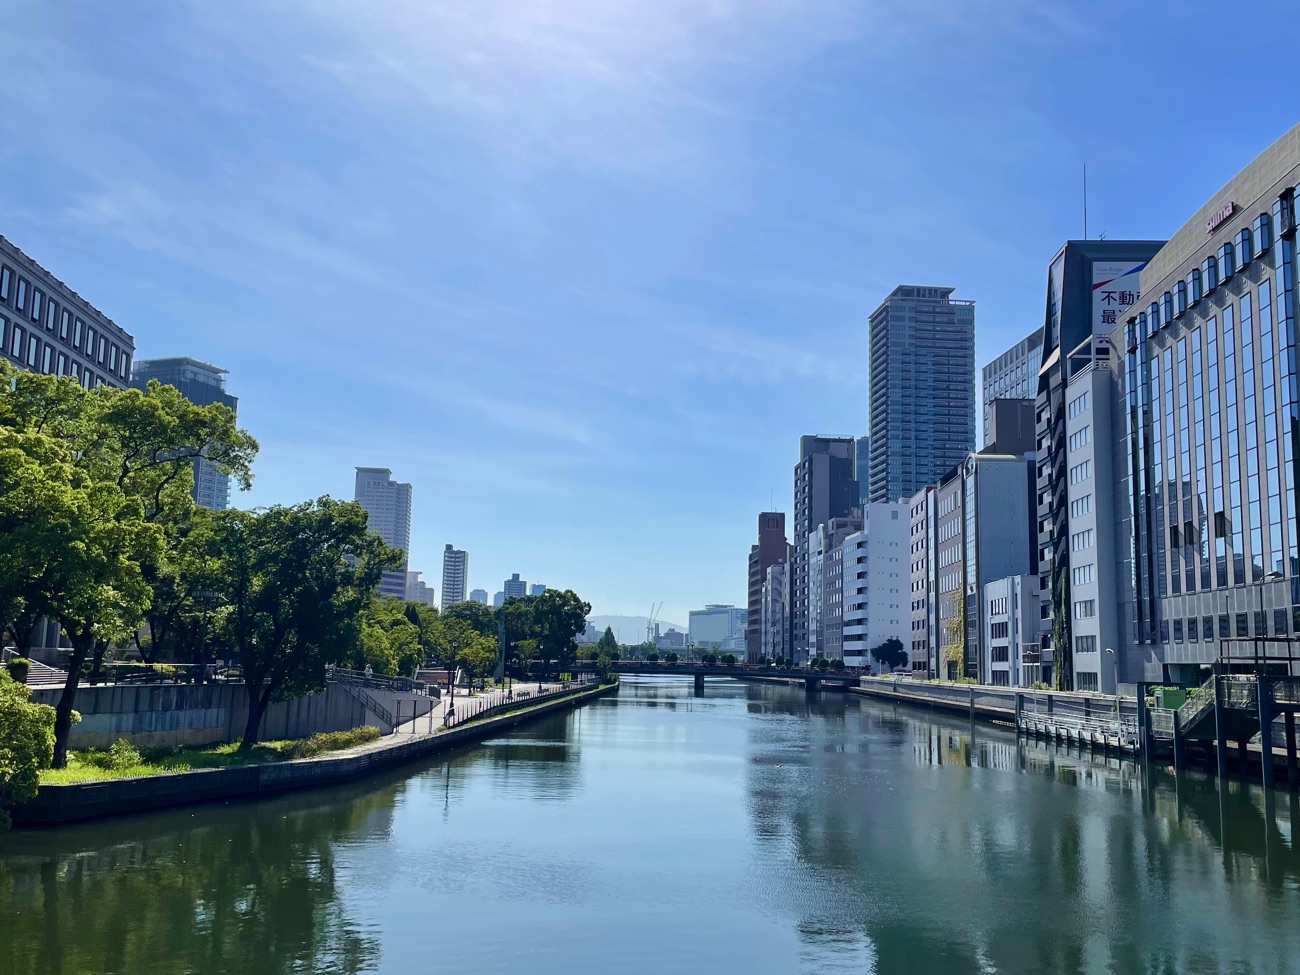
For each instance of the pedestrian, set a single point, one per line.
(370, 672)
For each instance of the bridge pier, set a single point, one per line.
(1290, 750)
(1180, 757)
(1242, 767)
(1264, 695)
(812, 683)
(699, 683)
(1220, 733)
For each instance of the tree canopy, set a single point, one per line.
(890, 654)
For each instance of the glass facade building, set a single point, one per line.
(1012, 375)
(1212, 414)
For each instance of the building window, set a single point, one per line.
(1001, 678)
(6, 277)
(998, 631)
(46, 358)
(1077, 405)
(112, 358)
(1191, 630)
(125, 366)
(1210, 271)
(1087, 680)
(1245, 250)
(76, 334)
(32, 346)
(1081, 506)
(1080, 437)
(90, 342)
(1166, 307)
(36, 304)
(1153, 315)
(1180, 298)
(62, 365)
(1081, 472)
(1085, 644)
(1083, 574)
(1178, 631)
(51, 309)
(16, 343)
(999, 654)
(20, 296)
(64, 319)
(1226, 262)
(1085, 609)
(1263, 227)
(100, 357)
(1240, 621)
(1194, 292)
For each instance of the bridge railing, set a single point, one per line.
(473, 709)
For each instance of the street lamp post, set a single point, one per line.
(1114, 661)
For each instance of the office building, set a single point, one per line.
(772, 548)
(826, 585)
(201, 384)
(455, 571)
(388, 515)
(674, 639)
(478, 596)
(875, 575)
(862, 467)
(824, 488)
(418, 591)
(719, 627)
(514, 587)
(1211, 409)
(1091, 285)
(922, 389)
(923, 642)
(1011, 623)
(1012, 375)
(536, 589)
(47, 327)
(499, 599)
(776, 612)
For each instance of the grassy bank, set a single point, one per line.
(123, 760)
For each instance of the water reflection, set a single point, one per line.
(755, 828)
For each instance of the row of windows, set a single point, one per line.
(1085, 644)
(1080, 541)
(27, 350)
(1080, 437)
(1085, 609)
(999, 654)
(1081, 506)
(70, 328)
(1081, 472)
(998, 606)
(999, 631)
(1229, 626)
(1077, 405)
(1087, 680)
(1083, 574)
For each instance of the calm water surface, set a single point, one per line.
(753, 829)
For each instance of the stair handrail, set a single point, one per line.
(1199, 700)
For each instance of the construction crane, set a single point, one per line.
(650, 622)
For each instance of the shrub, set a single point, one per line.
(18, 668)
(330, 741)
(837, 664)
(121, 755)
(26, 744)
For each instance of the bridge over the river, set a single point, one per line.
(813, 680)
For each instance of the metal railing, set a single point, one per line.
(1199, 700)
(482, 708)
(401, 685)
(1162, 722)
(1240, 692)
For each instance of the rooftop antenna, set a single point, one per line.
(1085, 201)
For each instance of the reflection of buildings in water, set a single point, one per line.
(936, 854)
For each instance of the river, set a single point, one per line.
(752, 829)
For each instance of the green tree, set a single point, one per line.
(26, 744)
(389, 642)
(425, 620)
(889, 654)
(479, 656)
(480, 617)
(558, 617)
(297, 581)
(607, 643)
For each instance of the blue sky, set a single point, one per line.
(584, 270)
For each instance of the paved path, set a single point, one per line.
(432, 722)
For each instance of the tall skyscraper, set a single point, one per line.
(455, 569)
(772, 548)
(388, 509)
(1012, 375)
(824, 488)
(1091, 287)
(514, 586)
(201, 384)
(922, 389)
(862, 466)
(47, 327)
(719, 626)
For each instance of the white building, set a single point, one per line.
(1091, 481)
(455, 567)
(923, 585)
(775, 631)
(418, 591)
(388, 515)
(877, 583)
(719, 626)
(1011, 628)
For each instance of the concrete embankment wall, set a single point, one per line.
(56, 804)
(168, 715)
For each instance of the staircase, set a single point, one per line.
(44, 676)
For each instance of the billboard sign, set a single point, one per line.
(1114, 293)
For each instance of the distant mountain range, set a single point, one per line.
(630, 629)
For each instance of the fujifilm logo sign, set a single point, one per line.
(1220, 216)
